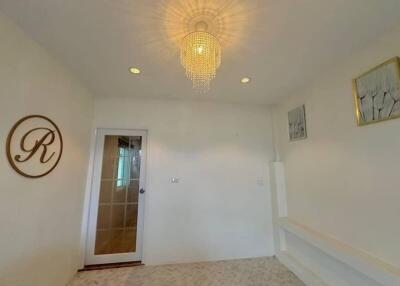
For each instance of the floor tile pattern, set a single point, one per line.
(244, 272)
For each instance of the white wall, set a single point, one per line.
(343, 179)
(220, 152)
(40, 218)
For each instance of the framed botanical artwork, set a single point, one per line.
(297, 123)
(377, 93)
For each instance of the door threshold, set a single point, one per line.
(111, 265)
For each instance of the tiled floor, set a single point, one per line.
(244, 272)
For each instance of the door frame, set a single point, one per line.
(91, 184)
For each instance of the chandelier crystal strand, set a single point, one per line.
(201, 57)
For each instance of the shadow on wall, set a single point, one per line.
(39, 267)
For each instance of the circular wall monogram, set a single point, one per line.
(34, 146)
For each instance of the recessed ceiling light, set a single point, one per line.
(134, 70)
(245, 80)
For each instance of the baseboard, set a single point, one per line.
(111, 266)
(308, 277)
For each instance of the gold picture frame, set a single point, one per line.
(376, 93)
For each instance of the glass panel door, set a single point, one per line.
(115, 224)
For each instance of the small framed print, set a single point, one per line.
(297, 123)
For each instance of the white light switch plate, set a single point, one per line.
(175, 180)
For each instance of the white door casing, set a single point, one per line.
(90, 256)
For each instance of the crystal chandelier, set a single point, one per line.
(201, 57)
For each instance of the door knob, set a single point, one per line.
(142, 191)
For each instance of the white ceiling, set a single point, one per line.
(284, 45)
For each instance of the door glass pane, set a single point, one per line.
(119, 194)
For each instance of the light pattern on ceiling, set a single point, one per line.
(202, 29)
